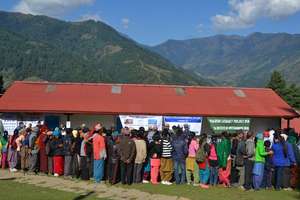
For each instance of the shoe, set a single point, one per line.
(196, 184)
(288, 189)
(168, 183)
(56, 175)
(163, 182)
(13, 170)
(145, 181)
(203, 186)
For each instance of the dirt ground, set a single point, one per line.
(83, 187)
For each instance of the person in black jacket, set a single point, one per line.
(76, 144)
(114, 158)
(68, 142)
(155, 151)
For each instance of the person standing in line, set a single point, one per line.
(85, 149)
(4, 145)
(213, 162)
(293, 138)
(141, 154)
(166, 163)
(283, 159)
(223, 150)
(68, 154)
(249, 159)
(57, 151)
(239, 160)
(43, 158)
(127, 154)
(260, 157)
(23, 149)
(202, 160)
(33, 150)
(99, 151)
(12, 156)
(192, 168)
(268, 169)
(155, 155)
(179, 153)
(77, 140)
(114, 158)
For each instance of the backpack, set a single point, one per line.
(200, 155)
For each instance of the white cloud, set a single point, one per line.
(245, 13)
(49, 7)
(95, 17)
(125, 22)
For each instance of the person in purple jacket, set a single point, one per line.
(283, 158)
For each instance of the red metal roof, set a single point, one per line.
(98, 98)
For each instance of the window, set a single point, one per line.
(116, 89)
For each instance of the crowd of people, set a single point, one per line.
(174, 155)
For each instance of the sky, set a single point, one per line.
(152, 22)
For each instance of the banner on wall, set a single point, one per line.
(231, 125)
(137, 121)
(195, 123)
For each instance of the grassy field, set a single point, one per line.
(11, 190)
(219, 193)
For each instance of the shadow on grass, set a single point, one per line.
(7, 178)
(83, 196)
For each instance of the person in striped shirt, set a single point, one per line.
(166, 168)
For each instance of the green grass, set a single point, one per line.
(218, 193)
(11, 190)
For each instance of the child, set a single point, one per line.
(155, 154)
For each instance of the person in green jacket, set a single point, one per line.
(223, 150)
(260, 158)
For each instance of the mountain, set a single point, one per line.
(236, 60)
(40, 47)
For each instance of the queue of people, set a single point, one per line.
(172, 156)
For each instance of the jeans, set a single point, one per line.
(267, 180)
(258, 174)
(214, 173)
(179, 165)
(137, 172)
(204, 175)
(98, 170)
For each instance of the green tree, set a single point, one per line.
(290, 93)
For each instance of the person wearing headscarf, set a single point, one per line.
(33, 149)
(3, 150)
(260, 158)
(99, 152)
(57, 151)
(42, 147)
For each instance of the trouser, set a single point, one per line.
(68, 166)
(126, 173)
(241, 179)
(286, 182)
(76, 165)
(214, 174)
(267, 180)
(179, 166)
(204, 175)
(58, 165)
(295, 176)
(12, 158)
(166, 169)
(258, 174)
(248, 174)
(192, 170)
(90, 164)
(84, 169)
(155, 163)
(50, 164)
(3, 160)
(137, 172)
(113, 172)
(98, 170)
(33, 159)
(24, 154)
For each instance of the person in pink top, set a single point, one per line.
(191, 164)
(213, 162)
(99, 154)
